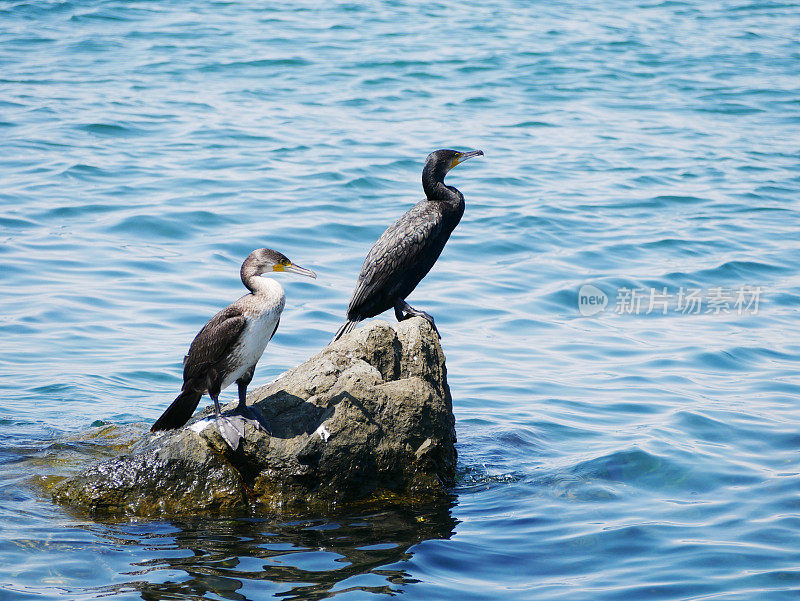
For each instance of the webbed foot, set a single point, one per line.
(403, 311)
(231, 429)
(232, 424)
(253, 416)
(429, 319)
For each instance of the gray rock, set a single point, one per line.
(368, 420)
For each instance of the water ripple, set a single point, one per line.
(147, 148)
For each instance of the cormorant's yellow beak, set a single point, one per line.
(291, 267)
(463, 156)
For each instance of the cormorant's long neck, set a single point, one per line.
(435, 188)
(250, 277)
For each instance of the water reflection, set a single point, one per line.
(249, 558)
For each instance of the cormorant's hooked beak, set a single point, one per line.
(463, 156)
(297, 269)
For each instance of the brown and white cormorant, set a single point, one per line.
(407, 250)
(228, 347)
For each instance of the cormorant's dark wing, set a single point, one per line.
(400, 258)
(213, 342)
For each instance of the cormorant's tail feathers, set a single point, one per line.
(347, 327)
(179, 412)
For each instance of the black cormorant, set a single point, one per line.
(228, 347)
(407, 250)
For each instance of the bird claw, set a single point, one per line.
(232, 426)
(231, 434)
(435, 329)
(408, 312)
(429, 319)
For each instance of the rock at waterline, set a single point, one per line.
(367, 419)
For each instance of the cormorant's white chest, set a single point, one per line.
(262, 311)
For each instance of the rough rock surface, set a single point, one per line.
(367, 419)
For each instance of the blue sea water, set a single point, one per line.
(649, 149)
